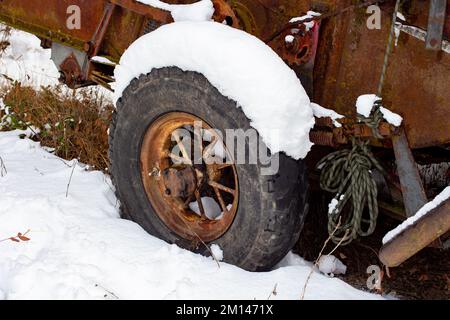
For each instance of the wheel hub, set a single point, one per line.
(180, 189)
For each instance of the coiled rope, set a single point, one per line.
(348, 173)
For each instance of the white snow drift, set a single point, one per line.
(240, 66)
(202, 10)
(24, 60)
(80, 249)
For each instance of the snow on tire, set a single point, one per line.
(270, 209)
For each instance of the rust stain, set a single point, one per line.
(347, 62)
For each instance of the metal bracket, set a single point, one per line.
(436, 20)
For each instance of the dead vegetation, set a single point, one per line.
(5, 32)
(424, 276)
(73, 124)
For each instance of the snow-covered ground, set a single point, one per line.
(25, 61)
(80, 248)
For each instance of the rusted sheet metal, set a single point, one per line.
(417, 11)
(419, 235)
(349, 55)
(48, 18)
(350, 58)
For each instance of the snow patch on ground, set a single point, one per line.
(217, 252)
(24, 60)
(80, 249)
(240, 66)
(330, 265)
(199, 11)
(440, 198)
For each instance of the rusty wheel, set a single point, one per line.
(179, 176)
(193, 194)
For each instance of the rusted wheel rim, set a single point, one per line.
(181, 167)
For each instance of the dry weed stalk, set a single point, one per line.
(20, 237)
(316, 262)
(3, 171)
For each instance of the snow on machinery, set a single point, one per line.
(336, 57)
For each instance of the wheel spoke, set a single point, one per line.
(198, 140)
(182, 147)
(176, 158)
(188, 201)
(222, 203)
(221, 187)
(224, 166)
(200, 204)
(209, 148)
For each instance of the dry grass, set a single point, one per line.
(75, 125)
(5, 32)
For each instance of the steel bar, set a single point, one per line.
(413, 193)
(436, 20)
(417, 236)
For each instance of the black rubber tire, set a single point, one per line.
(271, 209)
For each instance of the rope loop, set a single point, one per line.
(348, 174)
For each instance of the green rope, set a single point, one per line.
(374, 120)
(348, 173)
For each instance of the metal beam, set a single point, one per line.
(417, 236)
(413, 193)
(436, 20)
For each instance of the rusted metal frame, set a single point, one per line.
(321, 17)
(414, 196)
(325, 134)
(436, 20)
(416, 237)
(42, 32)
(93, 47)
(46, 19)
(143, 9)
(421, 35)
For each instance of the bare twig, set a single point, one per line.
(273, 292)
(340, 242)
(316, 262)
(108, 291)
(201, 240)
(71, 175)
(3, 171)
